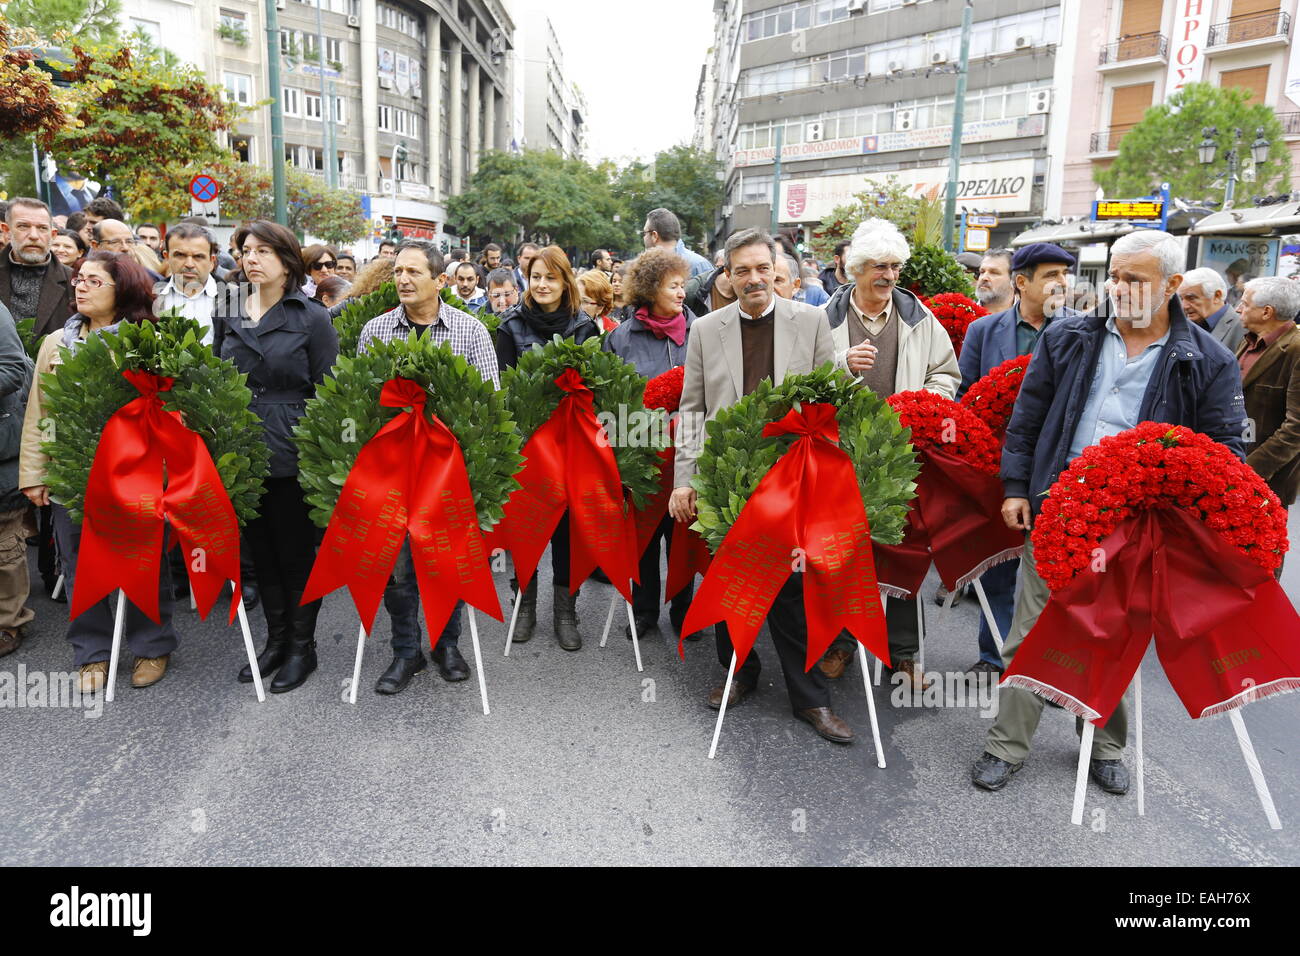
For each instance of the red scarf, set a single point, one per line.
(673, 328)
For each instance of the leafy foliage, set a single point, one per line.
(683, 179)
(485, 315)
(138, 119)
(736, 455)
(882, 199)
(87, 389)
(93, 21)
(345, 414)
(27, 100)
(1162, 147)
(931, 270)
(333, 215)
(534, 396)
(349, 323)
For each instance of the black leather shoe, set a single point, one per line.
(1110, 775)
(992, 773)
(249, 593)
(451, 665)
(827, 725)
(644, 630)
(399, 674)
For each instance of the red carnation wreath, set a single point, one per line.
(1155, 466)
(955, 313)
(665, 391)
(951, 428)
(994, 396)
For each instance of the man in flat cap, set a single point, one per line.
(1039, 272)
(1135, 358)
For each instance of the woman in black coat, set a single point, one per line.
(552, 305)
(285, 344)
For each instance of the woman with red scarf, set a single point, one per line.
(654, 340)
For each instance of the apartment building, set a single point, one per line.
(555, 111)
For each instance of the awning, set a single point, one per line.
(1280, 217)
(1082, 230)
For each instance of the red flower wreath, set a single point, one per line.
(948, 427)
(955, 313)
(994, 396)
(1155, 466)
(665, 391)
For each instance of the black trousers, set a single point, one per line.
(900, 622)
(646, 595)
(560, 553)
(789, 628)
(282, 540)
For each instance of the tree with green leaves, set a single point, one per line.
(138, 119)
(884, 198)
(539, 196)
(683, 179)
(1162, 147)
(332, 215)
(88, 21)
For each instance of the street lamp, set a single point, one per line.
(1207, 149)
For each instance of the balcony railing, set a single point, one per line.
(1135, 48)
(1255, 26)
(1107, 140)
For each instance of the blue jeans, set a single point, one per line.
(1000, 587)
(402, 601)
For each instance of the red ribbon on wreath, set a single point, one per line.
(1236, 640)
(806, 509)
(570, 465)
(409, 479)
(955, 521)
(126, 503)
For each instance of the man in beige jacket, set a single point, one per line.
(893, 343)
(728, 353)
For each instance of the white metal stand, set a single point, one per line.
(478, 658)
(871, 706)
(1081, 775)
(119, 620)
(356, 665)
(514, 617)
(1256, 773)
(722, 710)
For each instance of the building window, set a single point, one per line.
(242, 147)
(756, 189)
(239, 87)
(340, 110)
(291, 105)
(286, 42)
(150, 28)
(335, 50)
(311, 106)
(304, 157)
(233, 20)
(386, 118)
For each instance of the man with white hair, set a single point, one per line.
(1204, 297)
(893, 343)
(1136, 358)
(1269, 356)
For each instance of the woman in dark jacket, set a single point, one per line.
(285, 343)
(654, 340)
(551, 306)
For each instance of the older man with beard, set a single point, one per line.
(1135, 359)
(33, 284)
(994, 288)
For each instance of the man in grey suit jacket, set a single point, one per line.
(729, 352)
(1204, 295)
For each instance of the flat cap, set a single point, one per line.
(970, 260)
(1036, 252)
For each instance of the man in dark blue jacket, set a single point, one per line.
(1135, 359)
(1039, 272)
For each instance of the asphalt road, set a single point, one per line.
(583, 760)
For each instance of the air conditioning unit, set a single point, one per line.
(855, 6)
(728, 210)
(279, 4)
(1040, 101)
(813, 133)
(385, 82)
(904, 120)
(938, 58)
(1024, 43)
(910, 3)
(354, 22)
(415, 92)
(444, 66)
(894, 67)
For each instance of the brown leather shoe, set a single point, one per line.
(738, 693)
(834, 662)
(826, 724)
(93, 677)
(148, 670)
(10, 640)
(912, 669)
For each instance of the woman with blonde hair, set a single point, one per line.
(598, 299)
(552, 305)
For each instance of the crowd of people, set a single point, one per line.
(1163, 344)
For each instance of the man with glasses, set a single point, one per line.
(503, 293)
(893, 343)
(111, 235)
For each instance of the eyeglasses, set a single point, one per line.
(119, 242)
(90, 282)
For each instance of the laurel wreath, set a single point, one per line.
(345, 414)
(87, 389)
(736, 456)
(533, 396)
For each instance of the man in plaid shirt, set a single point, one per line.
(415, 272)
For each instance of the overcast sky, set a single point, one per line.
(638, 64)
